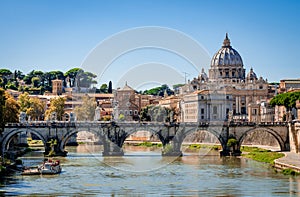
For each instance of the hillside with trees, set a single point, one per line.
(39, 82)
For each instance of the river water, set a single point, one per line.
(143, 172)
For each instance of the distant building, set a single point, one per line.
(288, 84)
(227, 75)
(203, 106)
(128, 105)
(57, 87)
(261, 112)
(298, 109)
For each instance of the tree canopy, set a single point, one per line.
(86, 111)
(11, 113)
(2, 109)
(159, 91)
(56, 105)
(157, 113)
(287, 99)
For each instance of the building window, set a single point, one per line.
(227, 74)
(215, 110)
(135, 112)
(254, 112)
(202, 110)
(243, 110)
(227, 110)
(130, 112)
(202, 117)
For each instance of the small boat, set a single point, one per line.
(47, 167)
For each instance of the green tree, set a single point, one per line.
(286, 99)
(56, 105)
(35, 81)
(37, 109)
(87, 110)
(109, 87)
(104, 88)
(157, 113)
(11, 113)
(49, 76)
(72, 73)
(2, 108)
(28, 77)
(159, 91)
(24, 102)
(40, 75)
(5, 75)
(19, 75)
(86, 79)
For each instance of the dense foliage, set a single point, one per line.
(157, 113)
(57, 107)
(86, 111)
(9, 109)
(38, 82)
(159, 91)
(286, 99)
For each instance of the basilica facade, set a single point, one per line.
(227, 89)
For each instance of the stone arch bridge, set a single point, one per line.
(113, 134)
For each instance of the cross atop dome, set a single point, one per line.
(226, 42)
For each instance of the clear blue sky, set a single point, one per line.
(58, 35)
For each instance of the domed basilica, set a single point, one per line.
(226, 89)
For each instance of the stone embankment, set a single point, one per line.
(290, 161)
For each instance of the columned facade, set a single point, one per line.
(227, 76)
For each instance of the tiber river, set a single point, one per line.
(144, 172)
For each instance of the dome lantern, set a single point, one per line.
(226, 42)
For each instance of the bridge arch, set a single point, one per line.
(278, 138)
(67, 136)
(132, 131)
(8, 137)
(215, 133)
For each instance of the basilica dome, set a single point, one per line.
(226, 56)
(227, 64)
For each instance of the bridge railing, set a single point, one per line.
(124, 123)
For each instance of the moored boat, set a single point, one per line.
(47, 167)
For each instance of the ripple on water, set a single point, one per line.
(150, 174)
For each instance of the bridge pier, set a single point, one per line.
(171, 137)
(52, 148)
(111, 149)
(114, 138)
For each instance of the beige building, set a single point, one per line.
(57, 87)
(128, 104)
(227, 75)
(298, 109)
(261, 112)
(288, 85)
(203, 106)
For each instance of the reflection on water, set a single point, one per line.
(142, 171)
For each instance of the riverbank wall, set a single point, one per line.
(289, 161)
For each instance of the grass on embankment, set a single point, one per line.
(190, 146)
(262, 155)
(148, 144)
(206, 146)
